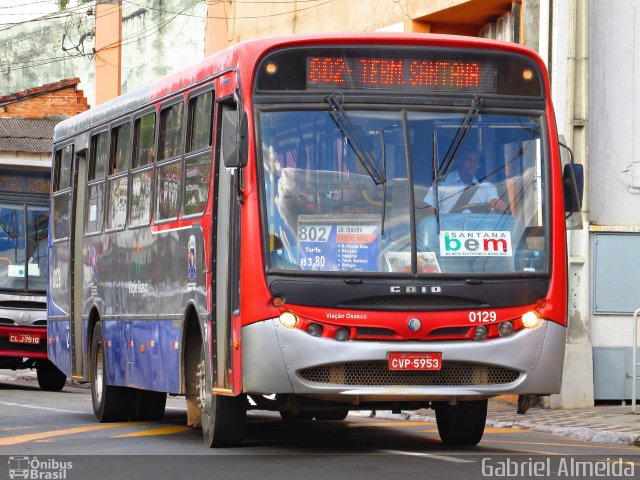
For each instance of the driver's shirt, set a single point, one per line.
(451, 189)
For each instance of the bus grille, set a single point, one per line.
(23, 305)
(374, 332)
(377, 373)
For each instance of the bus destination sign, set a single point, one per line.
(23, 181)
(400, 74)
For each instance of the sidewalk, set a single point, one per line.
(611, 424)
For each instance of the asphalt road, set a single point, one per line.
(56, 434)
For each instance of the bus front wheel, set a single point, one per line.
(222, 417)
(461, 424)
(110, 403)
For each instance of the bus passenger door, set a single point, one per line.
(226, 235)
(77, 262)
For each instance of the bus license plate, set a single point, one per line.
(24, 338)
(415, 361)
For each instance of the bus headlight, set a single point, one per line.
(505, 329)
(480, 333)
(341, 335)
(289, 320)
(531, 319)
(314, 329)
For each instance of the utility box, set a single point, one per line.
(616, 273)
(612, 372)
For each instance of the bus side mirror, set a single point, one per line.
(573, 190)
(573, 187)
(234, 138)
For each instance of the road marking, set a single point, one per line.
(32, 437)
(486, 430)
(427, 455)
(37, 407)
(157, 431)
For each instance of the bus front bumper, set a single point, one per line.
(277, 359)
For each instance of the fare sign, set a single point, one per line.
(400, 74)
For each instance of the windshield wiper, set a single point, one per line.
(351, 135)
(458, 140)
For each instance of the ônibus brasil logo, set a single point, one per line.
(483, 243)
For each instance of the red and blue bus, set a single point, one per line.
(285, 227)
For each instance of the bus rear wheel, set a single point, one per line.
(50, 378)
(222, 417)
(110, 403)
(461, 424)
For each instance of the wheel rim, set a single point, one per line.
(99, 373)
(202, 388)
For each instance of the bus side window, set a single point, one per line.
(144, 139)
(170, 144)
(62, 192)
(198, 154)
(98, 160)
(118, 179)
(169, 172)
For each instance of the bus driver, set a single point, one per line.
(461, 190)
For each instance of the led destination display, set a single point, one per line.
(400, 73)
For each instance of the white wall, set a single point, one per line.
(614, 97)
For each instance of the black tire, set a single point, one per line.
(223, 418)
(50, 378)
(462, 424)
(110, 403)
(148, 405)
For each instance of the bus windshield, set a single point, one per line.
(450, 194)
(23, 235)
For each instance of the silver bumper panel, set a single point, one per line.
(278, 359)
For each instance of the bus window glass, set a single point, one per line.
(145, 139)
(200, 121)
(99, 156)
(121, 148)
(168, 191)
(63, 168)
(61, 204)
(141, 190)
(117, 214)
(489, 211)
(196, 190)
(95, 209)
(23, 238)
(171, 131)
(327, 211)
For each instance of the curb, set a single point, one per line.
(580, 433)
